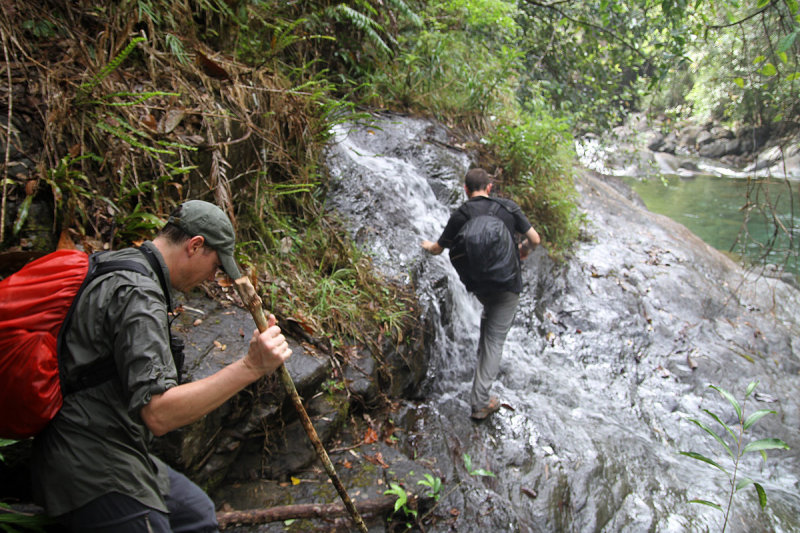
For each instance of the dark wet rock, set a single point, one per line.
(257, 433)
(714, 149)
(656, 142)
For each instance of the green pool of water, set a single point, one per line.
(715, 208)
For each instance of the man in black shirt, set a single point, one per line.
(499, 300)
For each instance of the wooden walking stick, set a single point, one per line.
(252, 301)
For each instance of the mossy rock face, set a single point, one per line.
(405, 366)
(37, 233)
(283, 450)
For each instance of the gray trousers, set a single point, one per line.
(496, 318)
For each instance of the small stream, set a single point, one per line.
(609, 355)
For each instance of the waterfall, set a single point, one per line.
(393, 203)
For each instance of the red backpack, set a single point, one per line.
(34, 304)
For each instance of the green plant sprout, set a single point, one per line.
(12, 521)
(331, 386)
(475, 472)
(402, 500)
(738, 449)
(434, 485)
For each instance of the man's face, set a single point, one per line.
(203, 266)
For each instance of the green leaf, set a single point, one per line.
(739, 82)
(759, 59)
(468, 462)
(743, 483)
(22, 214)
(765, 444)
(762, 495)
(714, 434)
(728, 396)
(703, 458)
(793, 76)
(792, 5)
(706, 502)
(402, 497)
(750, 388)
(762, 3)
(768, 70)
(755, 417)
(786, 42)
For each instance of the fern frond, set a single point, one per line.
(122, 135)
(369, 27)
(401, 7)
(176, 48)
(88, 87)
(141, 97)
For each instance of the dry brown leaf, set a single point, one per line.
(170, 120)
(65, 242)
(370, 436)
(149, 121)
(211, 67)
(376, 459)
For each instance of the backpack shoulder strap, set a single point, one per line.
(467, 210)
(497, 205)
(154, 264)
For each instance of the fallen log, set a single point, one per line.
(377, 506)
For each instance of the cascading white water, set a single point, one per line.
(392, 205)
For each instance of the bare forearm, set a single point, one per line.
(186, 403)
(189, 402)
(531, 241)
(533, 238)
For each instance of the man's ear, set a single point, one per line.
(195, 244)
(489, 188)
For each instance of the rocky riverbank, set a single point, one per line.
(642, 146)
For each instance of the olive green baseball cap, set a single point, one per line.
(197, 217)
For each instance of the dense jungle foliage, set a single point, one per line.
(114, 112)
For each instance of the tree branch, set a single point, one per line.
(377, 506)
(553, 7)
(745, 19)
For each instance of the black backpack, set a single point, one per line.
(483, 251)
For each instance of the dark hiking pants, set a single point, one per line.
(190, 510)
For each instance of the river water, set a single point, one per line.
(609, 356)
(754, 215)
(716, 209)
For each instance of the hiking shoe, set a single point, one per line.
(491, 407)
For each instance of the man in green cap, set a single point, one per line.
(92, 466)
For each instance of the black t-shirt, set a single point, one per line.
(511, 215)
